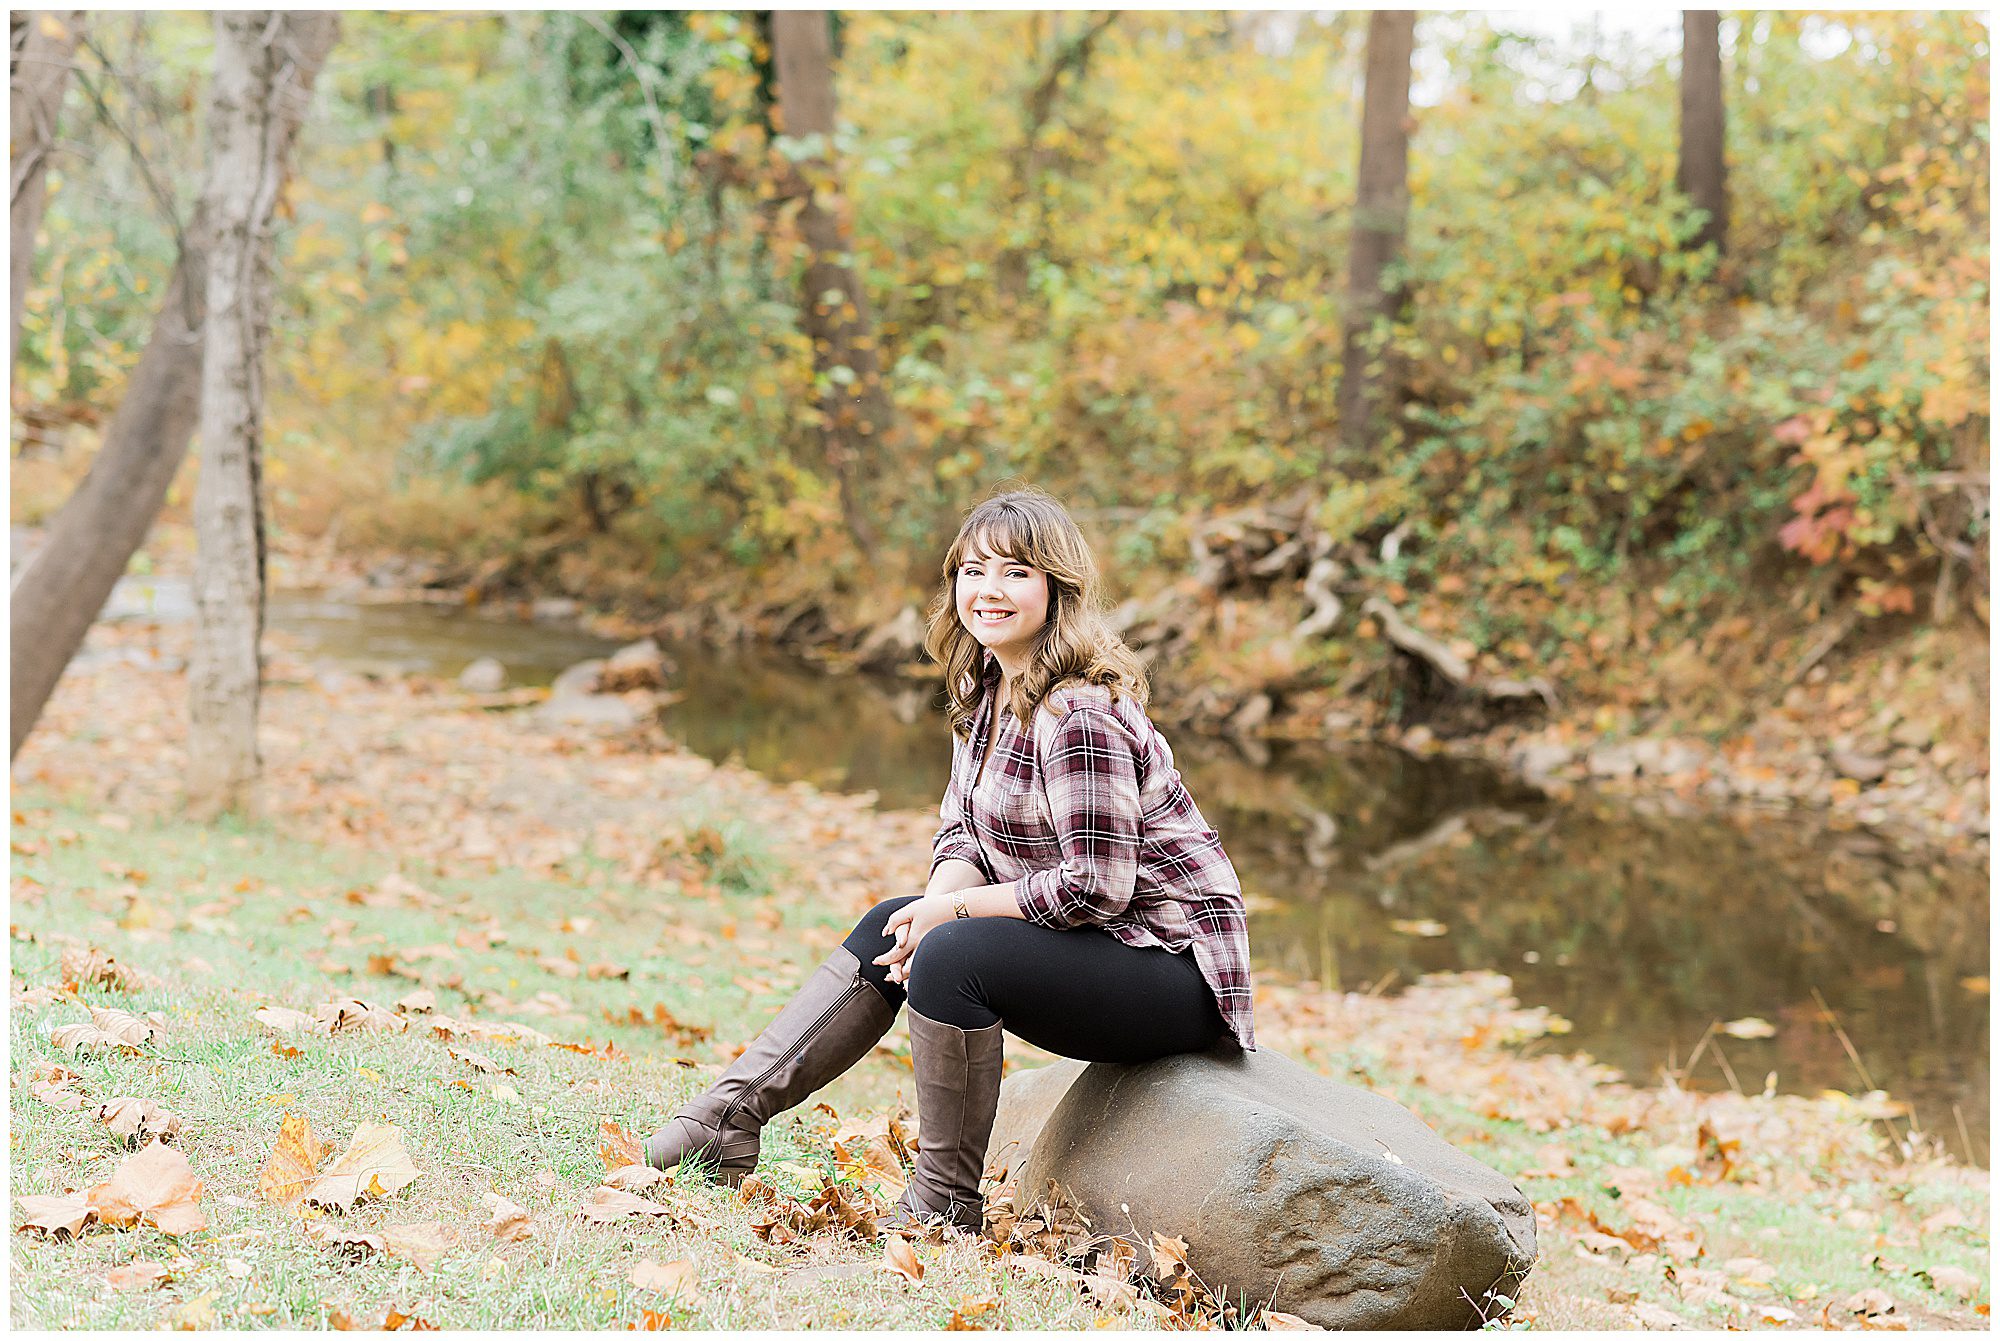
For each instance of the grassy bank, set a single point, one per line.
(526, 876)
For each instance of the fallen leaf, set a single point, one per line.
(350, 1014)
(420, 1244)
(1871, 1306)
(157, 1187)
(375, 1164)
(1275, 1321)
(510, 1223)
(195, 1315)
(62, 1217)
(237, 1268)
(479, 1061)
(1951, 1280)
(674, 1279)
(84, 966)
(350, 1243)
(636, 1177)
(618, 1147)
(1169, 1253)
(294, 1164)
(900, 1258)
(419, 1002)
(128, 1028)
(58, 1095)
(399, 1321)
(136, 1276)
(972, 1306)
(606, 1205)
(651, 1320)
(138, 1120)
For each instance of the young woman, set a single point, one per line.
(1077, 898)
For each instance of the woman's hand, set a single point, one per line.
(909, 924)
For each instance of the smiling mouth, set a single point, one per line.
(992, 616)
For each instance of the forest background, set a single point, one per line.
(539, 326)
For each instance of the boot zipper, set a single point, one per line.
(730, 1110)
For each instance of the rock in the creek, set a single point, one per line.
(1612, 761)
(484, 676)
(603, 711)
(1538, 759)
(1323, 1199)
(900, 640)
(1860, 767)
(578, 679)
(641, 665)
(555, 608)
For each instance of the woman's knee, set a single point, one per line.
(950, 966)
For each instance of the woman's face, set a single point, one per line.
(1016, 593)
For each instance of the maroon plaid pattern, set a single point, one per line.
(1089, 820)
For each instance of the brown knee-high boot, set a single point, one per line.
(829, 1026)
(958, 1093)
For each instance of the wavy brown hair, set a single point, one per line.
(1077, 644)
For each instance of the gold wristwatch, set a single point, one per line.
(958, 908)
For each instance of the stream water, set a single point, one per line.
(1366, 867)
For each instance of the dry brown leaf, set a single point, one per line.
(353, 1014)
(57, 1095)
(282, 1019)
(652, 1320)
(399, 1321)
(86, 1038)
(375, 1164)
(1275, 1321)
(419, 1002)
(606, 1205)
(607, 971)
(123, 1025)
(138, 1120)
(510, 1223)
(351, 1243)
(479, 1061)
(1951, 1280)
(34, 998)
(968, 1308)
(1169, 1257)
(294, 1163)
(618, 1147)
(673, 1279)
(63, 1217)
(195, 1315)
(86, 966)
(636, 1177)
(899, 1258)
(137, 1276)
(157, 1186)
(562, 968)
(419, 1244)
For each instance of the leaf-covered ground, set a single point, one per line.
(402, 1027)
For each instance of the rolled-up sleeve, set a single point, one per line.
(1090, 770)
(954, 838)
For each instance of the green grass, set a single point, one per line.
(468, 1133)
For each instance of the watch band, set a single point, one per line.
(958, 908)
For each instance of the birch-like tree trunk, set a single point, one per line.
(40, 74)
(95, 534)
(261, 64)
(854, 408)
(1703, 175)
(1368, 376)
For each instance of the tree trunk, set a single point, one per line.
(263, 60)
(854, 405)
(1368, 377)
(1702, 176)
(40, 74)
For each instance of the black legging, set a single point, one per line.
(1081, 993)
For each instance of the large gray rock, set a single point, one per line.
(1291, 1189)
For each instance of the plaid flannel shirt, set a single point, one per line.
(1087, 817)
